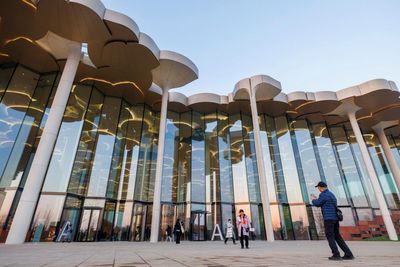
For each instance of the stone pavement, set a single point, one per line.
(211, 254)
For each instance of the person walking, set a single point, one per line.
(68, 231)
(168, 232)
(229, 231)
(243, 226)
(328, 204)
(178, 230)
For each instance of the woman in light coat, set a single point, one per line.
(229, 231)
(243, 226)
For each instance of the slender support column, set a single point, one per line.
(155, 219)
(374, 178)
(261, 170)
(388, 153)
(26, 207)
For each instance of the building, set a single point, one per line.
(89, 133)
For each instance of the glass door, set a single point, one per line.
(198, 226)
(89, 225)
(138, 226)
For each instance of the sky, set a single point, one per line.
(307, 45)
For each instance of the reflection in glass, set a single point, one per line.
(300, 222)
(292, 183)
(224, 157)
(46, 220)
(13, 108)
(198, 192)
(239, 175)
(147, 157)
(84, 154)
(265, 137)
(328, 161)
(381, 167)
(104, 147)
(169, 173)
(362, 169)
(61, 161)
(349, 168)
(306, 157)
(6, 73)
(251, 161)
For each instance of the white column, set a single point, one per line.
(155, 219)
(26, 207)
(373, 177)
(388, 153)
(261, 170)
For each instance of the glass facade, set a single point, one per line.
(102, 169)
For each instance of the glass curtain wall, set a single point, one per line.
(25, 97)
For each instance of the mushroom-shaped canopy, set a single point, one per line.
(265, 87)
(175, 70)
(204, 102)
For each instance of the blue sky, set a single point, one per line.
(307, 45)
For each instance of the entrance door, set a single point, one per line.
(89, 226)
(138, 226)
(199, 226)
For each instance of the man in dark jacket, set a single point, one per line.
(328, 204)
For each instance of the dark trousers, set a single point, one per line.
(246, 239)
(333, 235)
(233, 239)
(178, 237)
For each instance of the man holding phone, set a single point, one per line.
(328, 204)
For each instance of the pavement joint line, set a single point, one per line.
(143, 259)
(84, 260)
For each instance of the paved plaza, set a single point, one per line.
(211, 254)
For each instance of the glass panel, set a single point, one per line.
(71, 213)
(198, 191)
(168, 219)
(131, 152)
(211, 160)
(276, 222)
(393, 149)
(47, 218)
(238, 160)
(268, 163)
(251, 161)
(13, 108)
(279, 179)
(362, 169)
(306, 156)
(329, 164)
(107, 223)
(60, 165)
(104, 147)
(5, 75)
(349, 167)
(184, 163)
(147, 157)
(84, 154)
(292, 183)
(8, 206)
(381, 167)
(118, 161)
(286, 220)
(27, 134)
(123, 221)
(257, 223)
(224, 157)
(348, 217)
(300, 222)
(169, 173)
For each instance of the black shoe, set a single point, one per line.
(346, 257)
(335, 258)
(242, 247)
(247, 247)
